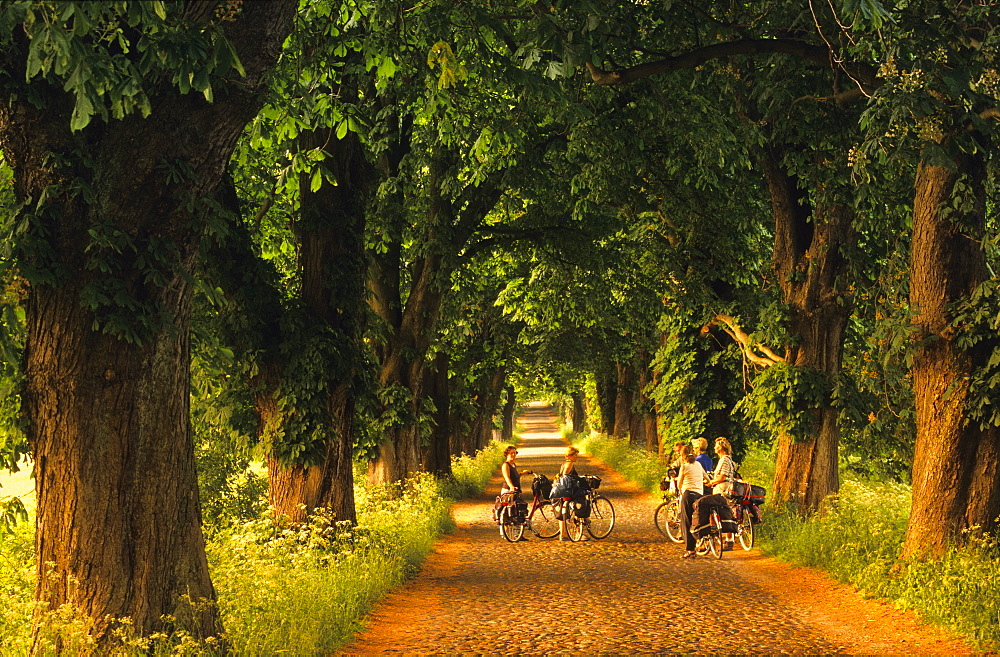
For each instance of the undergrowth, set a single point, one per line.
(857, 537)
(282, 588)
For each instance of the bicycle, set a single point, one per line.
(600, 519)
(668, 517)
(743, 518)
(513, 516)
(712, 541)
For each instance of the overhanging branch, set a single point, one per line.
(818, 54)
(755, 352)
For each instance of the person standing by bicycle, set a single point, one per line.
(722, 484)
(691, 478)
(511, 479)
(508, 470)
(567, 469)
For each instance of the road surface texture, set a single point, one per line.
(629, 593)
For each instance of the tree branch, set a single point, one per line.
(818, 54)
(730, 326)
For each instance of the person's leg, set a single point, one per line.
(687, 511)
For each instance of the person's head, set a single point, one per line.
(722, 446)
(572, 453)
(509, 453)
(700, 445)
(678, 446)
(687, 454)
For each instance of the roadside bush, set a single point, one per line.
(301, 589)
(470, 474)
(858, 536)
(17, 583)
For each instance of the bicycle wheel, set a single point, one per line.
(746, 529)
(508, 529)
(668, 523)
(543, 521)
(602, 517)
(715, 538)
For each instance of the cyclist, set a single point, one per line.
(568, 469)
(691, 478)
(722, 484)
(511, 476)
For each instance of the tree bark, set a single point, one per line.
(332, 277)
(437, 456)
(607, 395)
(956, 485)
(808, 265)
(624, 397)
(118, 529)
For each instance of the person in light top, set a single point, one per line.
(691, 478)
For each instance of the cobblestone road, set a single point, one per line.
(630, 593)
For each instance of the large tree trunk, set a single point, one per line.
(437, 456)
(332, 279)
(956, 485)
(808, 265)
(118, 527)
(402, 370)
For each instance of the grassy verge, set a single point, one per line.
(283, 589)
(857, 537)
(636, 465)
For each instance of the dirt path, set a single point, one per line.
(630, 593)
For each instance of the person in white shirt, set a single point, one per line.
(691, 478)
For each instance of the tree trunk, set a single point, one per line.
(624, 398)
(437, 456)
(509, 409)
(607, 394)
(955, 467)
(118, 525)
(579, 413)
(808, 265)
(330, 229)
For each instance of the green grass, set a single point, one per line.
(857, 537)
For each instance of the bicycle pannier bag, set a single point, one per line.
(757, 495)
(519, 512)
(582, 508)
(542, 487)
(740, 489)
(590, 482)
(665, 483)
(565, 486)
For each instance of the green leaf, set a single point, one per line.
(82, 112)
(342, 129)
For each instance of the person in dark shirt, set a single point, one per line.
(511, 477)
(700, 447)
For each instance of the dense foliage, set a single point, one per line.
(355, 233)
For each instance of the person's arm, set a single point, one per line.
(721, 473)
